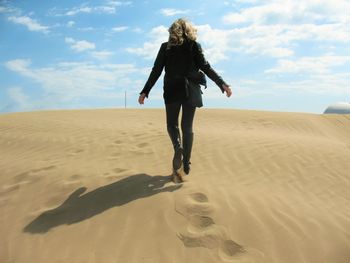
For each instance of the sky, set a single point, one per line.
(277, 55)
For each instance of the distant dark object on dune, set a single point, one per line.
(338, 108)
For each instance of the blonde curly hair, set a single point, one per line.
(179, 30)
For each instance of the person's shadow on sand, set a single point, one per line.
(79, 206)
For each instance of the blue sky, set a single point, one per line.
(276, 55)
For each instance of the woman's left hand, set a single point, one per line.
(227, 89)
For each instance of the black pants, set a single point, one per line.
(172, 119)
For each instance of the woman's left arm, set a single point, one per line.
(204, 65)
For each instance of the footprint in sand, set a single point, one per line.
(118, 142)
(75, 178)
(202, 230)
(140, 148)
(199, 197)
(24, 178)
(231, 248)
(142, 145)
(201, 221)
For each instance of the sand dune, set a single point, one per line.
(94, 186)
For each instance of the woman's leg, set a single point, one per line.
(172, 119)
(188, 112)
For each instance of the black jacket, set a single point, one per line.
(178, 61)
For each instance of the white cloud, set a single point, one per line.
(307, 65)
(216, 43)
(70, 23)
(276, 41)
(289, 11)
(150, 48)
(21, 100)
(3, 9)
(137, 30)
(119, 3)
(219, 43)
(105, 9)
(101, 55)
(79, 45)
(280, 40)
(173, 12)
(69, 40)
(30, 23)
(19, 65)
(262, 40)
(110, 7)
(7, 9)
(328, 83)
(77, 10)
(70, 81)
(119, 28)
(267, 13)
(274, 28)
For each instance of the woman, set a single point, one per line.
(175, 57)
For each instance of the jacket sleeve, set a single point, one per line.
(204, 65)
(156, 70)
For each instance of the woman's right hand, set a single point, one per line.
(142, 98)
(227, 89)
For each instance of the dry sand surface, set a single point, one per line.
(94, 186)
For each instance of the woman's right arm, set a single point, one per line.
(204, 65)
(156, 70)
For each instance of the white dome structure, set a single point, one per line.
(338, 108)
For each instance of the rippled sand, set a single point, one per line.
(94, 186)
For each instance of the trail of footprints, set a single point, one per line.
(201, 230)
(122, 147)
